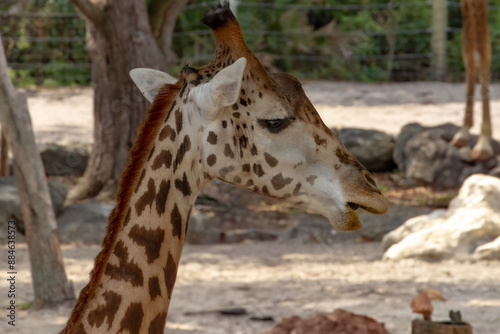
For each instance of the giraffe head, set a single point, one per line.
(259, 131)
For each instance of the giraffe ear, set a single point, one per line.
(223, 90)
(150, 81)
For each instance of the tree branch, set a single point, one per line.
(156, 11)
(162, 17)
(89, 10)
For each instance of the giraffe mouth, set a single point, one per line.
(354, 206)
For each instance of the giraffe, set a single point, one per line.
(229, 120)
(477, 59)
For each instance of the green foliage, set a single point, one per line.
(347, 40)
(361, 40)
(46, 47)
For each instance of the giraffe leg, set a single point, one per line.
(461, 138)
(483, 150)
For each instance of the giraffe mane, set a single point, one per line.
(157, 113)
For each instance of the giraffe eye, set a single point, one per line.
(276, 125)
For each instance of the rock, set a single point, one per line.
(208, 229)
(374, 149)
(424, 156)
(11, 206)
(58, 192)
(9, 200)
(200, 229)
(472, 220)
(413, 225)
(375, 227)
(65, 160)
(84, 222)
(338, 322)
(489, 251)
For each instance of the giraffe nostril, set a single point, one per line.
(369, 179)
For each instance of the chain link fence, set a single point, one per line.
(377, 40)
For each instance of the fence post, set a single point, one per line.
(439, 27)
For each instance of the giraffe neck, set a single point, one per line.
(134, 275)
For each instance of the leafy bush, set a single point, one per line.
(45, 43)
(362, 40)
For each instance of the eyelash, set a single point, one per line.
(276, 125)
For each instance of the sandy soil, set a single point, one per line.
(286, 278)
(65, 115)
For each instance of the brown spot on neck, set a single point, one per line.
(132, 320)
(150, 239)
(107, 311)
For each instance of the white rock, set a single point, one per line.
(472, 220)
(489, 251)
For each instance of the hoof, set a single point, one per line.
(483, 150)
(461, 138)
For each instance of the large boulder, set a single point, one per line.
(464, 231)
(374, 149)
(424, 155)
(84, 222)
(10, 204)
(65, 160)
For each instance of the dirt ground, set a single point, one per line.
(285, 278)
(65, 115)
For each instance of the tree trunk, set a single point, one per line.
(162, 17)
(49, 279)
(4, 155)
(119, 38)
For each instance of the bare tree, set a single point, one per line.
(49, 279)
(121, 35)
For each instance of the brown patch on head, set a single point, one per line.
(146, 198)
(246, 168)
(154, 288)
(257, 169)
(150, 239)
(319, 141)
(132, 320)
(311, 179)
(279, 182)
(271, 161)
(170, 274)
(228, 152)
(297, 188)
(158, 324)
(345, 157)
(108, 310)
(211, 160)
(226, 170)
(254, 150)
(126, 270)
(212, 138)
